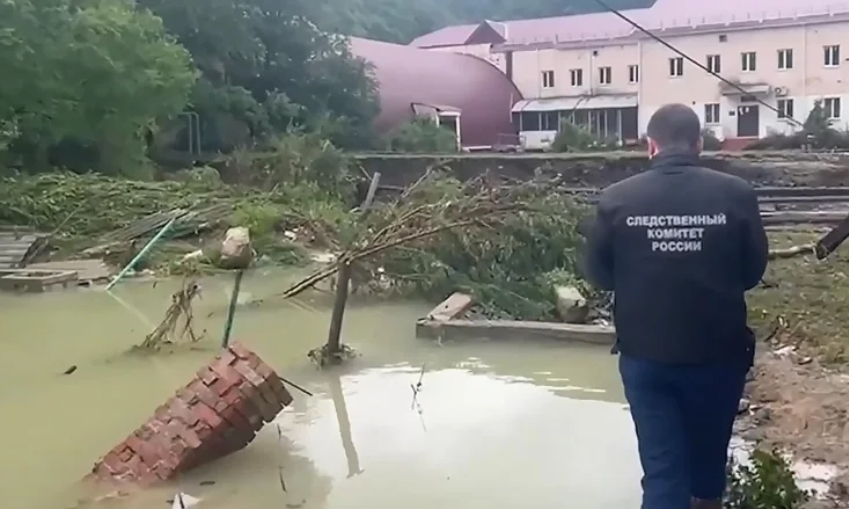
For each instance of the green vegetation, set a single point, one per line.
(422, 136)
(101, 84)
(766, 483)
(508, 263)
(816, 133)
(400, 21)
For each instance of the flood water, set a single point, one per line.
(512, 424)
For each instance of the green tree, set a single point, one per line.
(267, 65)
(400, 21)
(97, 72)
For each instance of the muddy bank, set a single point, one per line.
(797, 405)
(599, 170)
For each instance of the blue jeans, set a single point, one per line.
(683, 416)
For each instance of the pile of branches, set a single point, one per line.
(502, 244)
(179, 319)
(85, 205)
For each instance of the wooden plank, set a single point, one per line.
(14, 248)
(88, 270)
(451, 308)
(514, 330)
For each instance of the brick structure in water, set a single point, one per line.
(217, 413)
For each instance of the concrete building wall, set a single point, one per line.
(530, 67)
(790, 68)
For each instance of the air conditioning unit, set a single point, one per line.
(781, 91)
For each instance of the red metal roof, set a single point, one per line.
(663, 14)
(407, 75)
(597, 25)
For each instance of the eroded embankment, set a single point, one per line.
(599, 170)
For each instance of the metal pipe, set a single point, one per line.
(143, 252)
(231, 311)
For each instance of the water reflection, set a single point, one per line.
(334, 384)
(488, 443)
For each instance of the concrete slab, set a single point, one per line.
(514, 330)
(36, 281)
(452, 307)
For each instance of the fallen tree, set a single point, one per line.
(505, 245)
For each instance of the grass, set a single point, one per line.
(811, 296)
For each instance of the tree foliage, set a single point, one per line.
(90, 73)
(423, 136)
(267, 65)
(400, 21)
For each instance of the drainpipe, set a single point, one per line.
(539, 76)
(806, 109)
(639, 87)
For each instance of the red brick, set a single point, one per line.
(207, 415)
(215, 414)
(239, 350)
(228, 357)
(266, 410)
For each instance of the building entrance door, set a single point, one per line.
(748, 121)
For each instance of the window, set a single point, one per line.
(785, 108)
(712, 113)
(749, 61)
(676, 66)
(831, 56)
(547, 79)
(550, 120)
(785, 59)
(577, 77)
(605, 75)
(723, 38)
(831, 105)
(633, 74)
(714, 64)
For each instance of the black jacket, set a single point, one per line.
(679, 245)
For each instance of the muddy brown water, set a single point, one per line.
(495, 424)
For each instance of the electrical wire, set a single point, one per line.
(693, 61)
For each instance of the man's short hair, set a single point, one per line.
(675, 126)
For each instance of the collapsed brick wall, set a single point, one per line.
(217, 413)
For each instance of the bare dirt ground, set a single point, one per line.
(798, 398)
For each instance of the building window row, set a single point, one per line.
(785, 108)
(749, 61)
(605, 76)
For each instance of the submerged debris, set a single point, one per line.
(179, 312)
(322, 356)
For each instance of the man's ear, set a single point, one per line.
(652, 147)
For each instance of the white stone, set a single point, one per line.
(571, 304)
(236, 249)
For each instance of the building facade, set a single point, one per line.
(780, 57)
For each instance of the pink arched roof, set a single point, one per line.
(408, 75)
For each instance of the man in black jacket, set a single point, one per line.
(680, 245)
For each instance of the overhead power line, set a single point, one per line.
(693, 61)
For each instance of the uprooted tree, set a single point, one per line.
(499, 243)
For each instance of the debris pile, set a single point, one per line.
(498, 243)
